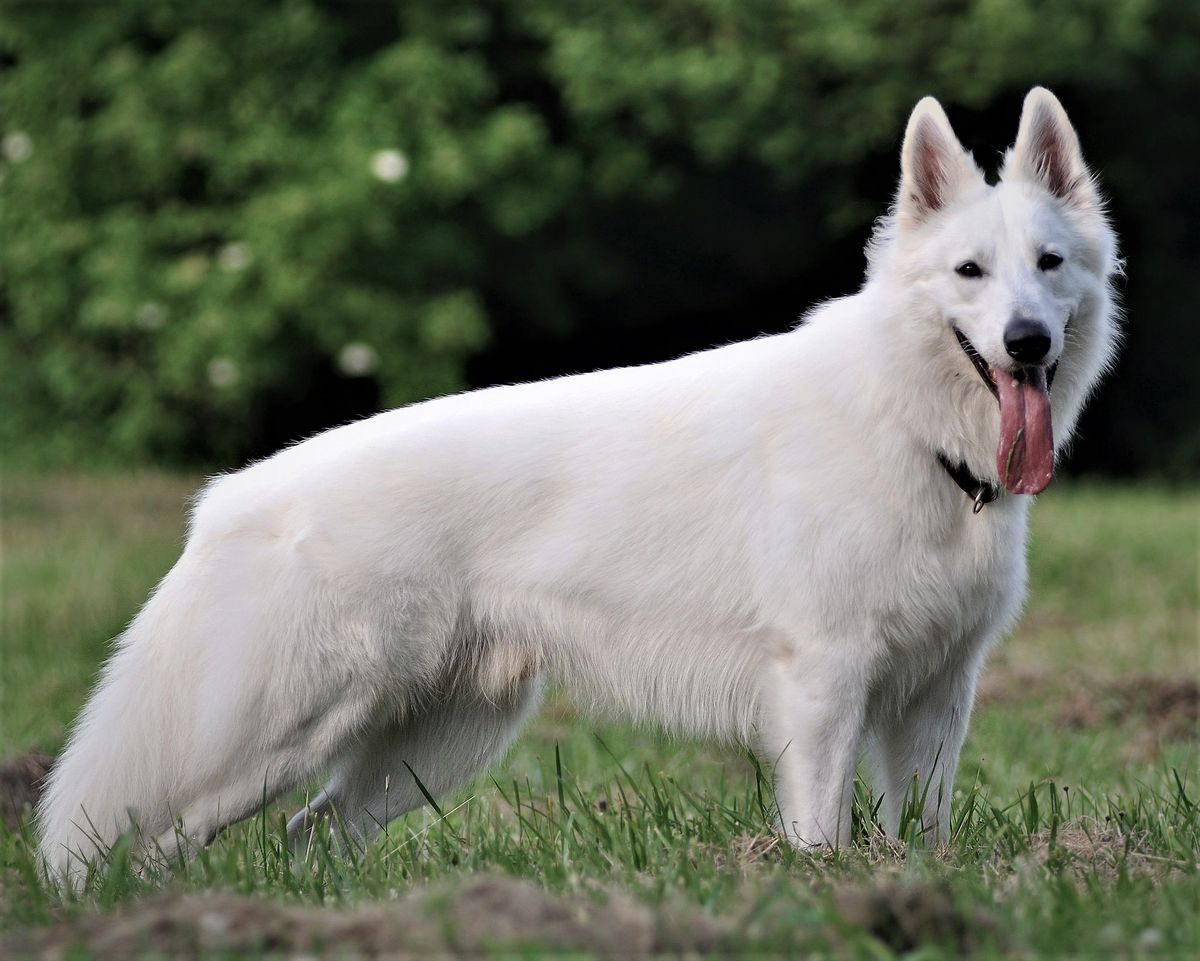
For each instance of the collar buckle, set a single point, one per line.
(980, 492)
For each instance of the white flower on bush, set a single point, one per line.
(233, 257)
(357, 359)
(222, 372)
(17, 146)
(1150, 938)
(151, 315)
(390, 166)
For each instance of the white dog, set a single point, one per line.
(804, 542)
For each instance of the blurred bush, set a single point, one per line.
(217, 215)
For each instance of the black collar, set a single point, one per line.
(979, 491)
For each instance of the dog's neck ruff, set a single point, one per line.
(980, 492)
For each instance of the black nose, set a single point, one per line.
(1027, 341)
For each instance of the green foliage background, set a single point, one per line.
(213, 212)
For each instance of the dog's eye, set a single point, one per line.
(968, 268)
(1049, 261)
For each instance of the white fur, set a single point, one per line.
(754, 543)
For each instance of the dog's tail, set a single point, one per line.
(241, 677)
(115, 771)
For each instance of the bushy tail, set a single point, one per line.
(237, 681)
(115, 771)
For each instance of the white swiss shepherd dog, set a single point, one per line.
(777, 543)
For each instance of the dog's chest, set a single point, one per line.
(917, 593)
(959, 596)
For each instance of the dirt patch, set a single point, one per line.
(1162, 708)
(1170, 704)
(493, 915)
(745, 852)
(1087, 848)
(483, 914)
(21, 779)
(907, 915)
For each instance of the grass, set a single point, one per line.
(1076, 824)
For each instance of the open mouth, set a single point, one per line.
(1025, 453)
(981, 365)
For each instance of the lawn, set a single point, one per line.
(1076, 823)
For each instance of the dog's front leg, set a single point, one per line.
(813, 710)
(915, 753)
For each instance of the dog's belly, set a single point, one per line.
(677, 673)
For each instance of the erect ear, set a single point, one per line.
(1047, 151)
(934, 168)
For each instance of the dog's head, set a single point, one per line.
(1009, 284)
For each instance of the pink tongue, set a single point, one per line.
(1025, 458)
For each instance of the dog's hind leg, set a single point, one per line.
(246, 773)
(445, 747)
